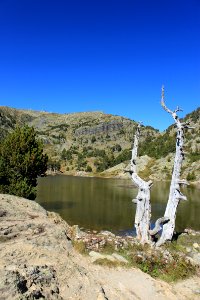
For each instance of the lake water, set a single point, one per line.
(105, 204)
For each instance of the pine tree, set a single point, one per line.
(21, 162)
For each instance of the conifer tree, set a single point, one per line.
(21, 162)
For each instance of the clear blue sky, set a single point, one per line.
(113, 56)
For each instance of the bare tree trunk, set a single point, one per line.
(143, 209)
(175, 194)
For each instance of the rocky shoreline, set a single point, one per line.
(96, 242)
(40, 259)
(110, 175)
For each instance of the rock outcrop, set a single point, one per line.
(102, 128)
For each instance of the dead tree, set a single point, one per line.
(143, 208)
(142, 200)
(175, 194)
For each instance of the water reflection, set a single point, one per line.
(98, 203)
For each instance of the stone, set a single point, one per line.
(76, 232)
(107, 233)
(196, 258)
(188, 250)
(120, 258)
(189, 259)
(114, 257)
(96, 256)
(196, 246)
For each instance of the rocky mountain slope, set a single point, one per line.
(96, 143)
(38, 261)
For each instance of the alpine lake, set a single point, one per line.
(106, 204)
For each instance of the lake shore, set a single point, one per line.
(109, 176)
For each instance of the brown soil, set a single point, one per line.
(38, 261)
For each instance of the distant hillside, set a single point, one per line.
(95, 142)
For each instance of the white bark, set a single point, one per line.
(175, 194)
(143, 208)
(158, 226)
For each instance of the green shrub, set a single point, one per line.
(123, 156)
(191, 176)
(195, 115)
(88, 169)
(117, 148)
(159, 147)
(194, 156)
(107, 263)
(66, 154)
(79, 246)
(93, 139)
(53, 165)
(21, 162)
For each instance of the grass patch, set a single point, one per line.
(154, 262)
(187, 240)
(168, 263)
(107, 263)
(80, 247)
(157, 266)
(147, 171)
(109, 248)
(4, 238)
(177, 270)
(174, 247)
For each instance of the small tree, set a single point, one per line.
(21, 162)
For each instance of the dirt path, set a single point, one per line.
(37, 260)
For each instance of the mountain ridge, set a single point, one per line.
(93, 142)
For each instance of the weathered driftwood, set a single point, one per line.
(158, 226)
(142, 200)
(175, 194)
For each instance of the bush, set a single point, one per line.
(88, 169)
(21, 162)
(93, 139)
(53, 165)
(117, 148)
(194, 156)
(159, 147)
(123, 156)
(191, 176)
(66, 154)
